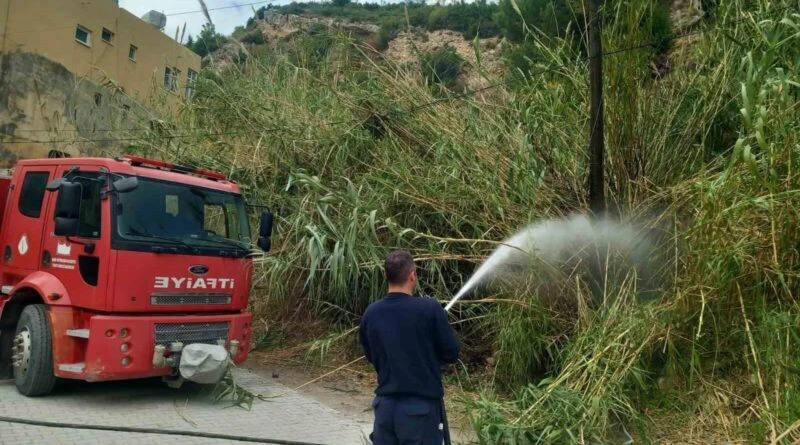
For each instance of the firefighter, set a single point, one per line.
(407, 339)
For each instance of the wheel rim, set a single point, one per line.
(22, 353)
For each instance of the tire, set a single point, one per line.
(34, 375)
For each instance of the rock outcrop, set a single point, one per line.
(686, 13)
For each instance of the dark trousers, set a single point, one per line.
(407, 421)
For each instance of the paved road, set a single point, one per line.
(150, 404)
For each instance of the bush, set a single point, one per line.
(254, 37)
(442, 66)
(661, 29)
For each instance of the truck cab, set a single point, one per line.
(112, 267)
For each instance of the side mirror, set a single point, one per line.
(68, 208)
(126, 184)
(265, 231)
(55, 184)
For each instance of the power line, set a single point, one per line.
(218, 8)
(111, 19)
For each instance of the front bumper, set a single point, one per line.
(110, 347)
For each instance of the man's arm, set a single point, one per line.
(446, 343)
(362, 336)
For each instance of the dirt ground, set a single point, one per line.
(349, 391)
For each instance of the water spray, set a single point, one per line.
(562, 247)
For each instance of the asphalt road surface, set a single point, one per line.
(151, 404)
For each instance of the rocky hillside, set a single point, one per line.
(405, 47)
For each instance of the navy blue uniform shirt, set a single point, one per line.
(407, 339)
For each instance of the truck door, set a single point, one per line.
(24, 222)
(82, 262)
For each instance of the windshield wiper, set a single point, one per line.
(226, 242)
(163, 238)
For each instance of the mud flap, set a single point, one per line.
(205, 364)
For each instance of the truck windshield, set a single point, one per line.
(183, 216)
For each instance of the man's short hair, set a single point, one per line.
(398, 267)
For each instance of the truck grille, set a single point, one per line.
(188, 333)
(189, 299)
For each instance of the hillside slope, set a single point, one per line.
(357, 156)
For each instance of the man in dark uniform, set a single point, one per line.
(407, 339)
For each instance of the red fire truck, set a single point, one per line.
(111, 268)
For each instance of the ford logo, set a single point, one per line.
(198, 269)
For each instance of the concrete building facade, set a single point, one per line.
(83, 70)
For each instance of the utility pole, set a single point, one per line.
(597, 199)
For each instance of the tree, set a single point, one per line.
(208, 41)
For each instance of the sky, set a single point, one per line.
(225, 20)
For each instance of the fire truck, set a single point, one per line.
(122, 268)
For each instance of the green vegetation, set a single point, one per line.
(207, 42)
(357, 156)
(470, 19)
(442, 66)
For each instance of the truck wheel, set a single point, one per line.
(33, 352)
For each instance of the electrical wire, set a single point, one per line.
(218, 8)
(197, 11)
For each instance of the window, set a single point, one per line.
(83, 35)
(176, 76)
(189, 217)
(214, 220)
(171, 79)
(107, 36)
(32, 196)
(191, 79)
(98, 99)
(132, 52)
(89, 216)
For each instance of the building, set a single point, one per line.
(77, 74)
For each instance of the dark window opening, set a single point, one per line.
(83, 35)
(98, 99)
(32, 195)
(107, 36)
(132, 52)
